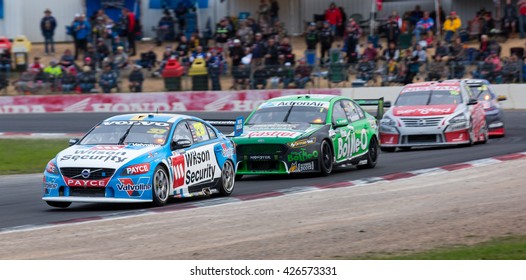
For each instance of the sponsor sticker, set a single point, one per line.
(137, 169)
(132, 188)
(258, 158)
(277, 134)
(302, 156)
(137, 123)
(178, 170)
(302, 143)
(86, 183)
(301, 167)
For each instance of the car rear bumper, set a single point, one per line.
(95, 199)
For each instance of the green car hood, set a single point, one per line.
(275, 133)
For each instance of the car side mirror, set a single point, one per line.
(473, 101)
(387, 104)
(341, 122)
(73, 141)
(501, 98)
(181, 144)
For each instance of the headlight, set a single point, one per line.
(387, 121)
(136, 169)
(51, 168)
(458, 119)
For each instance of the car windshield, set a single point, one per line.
(429, 97)
(128, 132)
(289, 114)
(482, 92)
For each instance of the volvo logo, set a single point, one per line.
(421, 122)
(85, 173)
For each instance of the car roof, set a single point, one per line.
(171, 118)
(435, 84)
(306, 97)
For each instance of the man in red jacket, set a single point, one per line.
(334, 16)
(131, 27)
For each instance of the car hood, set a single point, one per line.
(422, 111)
(281, 133)
(102, 156)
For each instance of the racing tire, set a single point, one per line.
(160, 186)
(326, 162)
(371, 156)
(227, 180)
(58, 204)
(388, 149)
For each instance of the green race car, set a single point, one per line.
(308, 133)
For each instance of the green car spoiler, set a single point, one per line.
(237, 124)
(380, 103)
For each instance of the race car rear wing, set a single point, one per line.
(237, 124)
(380, 103)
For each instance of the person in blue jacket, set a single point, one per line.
(82, 30)
(47, 26)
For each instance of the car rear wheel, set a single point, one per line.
(372, 155)
(326, 162)
(160, 186)
(58, 204)
(226, 185)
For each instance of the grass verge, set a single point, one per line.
(22, 156)
(502, 248)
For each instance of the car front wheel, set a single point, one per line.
(326, 158)
(226, 185)
(160, 186)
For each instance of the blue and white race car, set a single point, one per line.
(142, 158)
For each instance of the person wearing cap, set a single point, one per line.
(68, 81)
(120, 59)
(451, 26)
(311, 38)
(108, 79)
(136, 79)
(236, 53)
(53, 69)
(47, 26)
(86, 79)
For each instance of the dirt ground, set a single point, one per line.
(409, 215)
(157, 84)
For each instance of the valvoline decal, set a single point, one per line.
(431, 110)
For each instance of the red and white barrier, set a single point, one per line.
(147, 102)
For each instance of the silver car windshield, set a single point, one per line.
(289, 114)
(430, 97)
(128, 132)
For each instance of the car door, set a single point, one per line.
(356, 118)
(177, 158)
(341, 133)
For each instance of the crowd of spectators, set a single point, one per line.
(258, 53)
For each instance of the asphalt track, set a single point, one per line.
(21, 206)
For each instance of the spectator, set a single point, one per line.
(25, 82)
(441, 14)
(245, 33)
(451, 26)
(241, 73)
(442, 50)
(509, 17)
(180, 13)
(285, 74)
(260, 77)
(437, 69)
(5, 63)
(302, 74)
(221, 35)
(117, 42)
(511, 70)
(82, 31)
(392, 71)
(47, 26)
(420, 55)
(36, 65)
(41, 82)
(193, 42)
(351, 42)
(68, 81)
(259, 48)
(253, 25)
(120, 59)
(326, 39)
(215, 63)
(148, 59)
(416, 15)
(91, 56)
(53, 70)
(285, 51)
(424, 25)
(457, 50)
(365, 69)
(522, 17)
(130, 27)
(311, 38)
(392, 30)
(333, 16)
(340, 30)
(278, 31)
(199, 53)
(98, 27)
(391, 53)
(264, 12)
(108, 79)
(103, 51)
(495, 60)
(396, 18)
(236, 53)
(274, 11)
(87, 80)
(136, 79)
(165, 28)
(370, 52)
(488, 24)
(272, 53)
